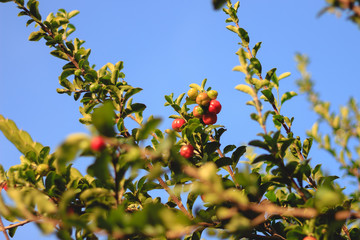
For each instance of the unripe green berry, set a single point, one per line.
(95, 87)
(77, 72)
(212, 94)
(193, 93)
(42, 169)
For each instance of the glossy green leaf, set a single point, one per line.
(256, 65)
(33, 7)
(103, 119)
(256, 49)
(222, 162)
(268, 94)
(148, 128)
(244, 37)
(287, 96)
(36, 36)
(60, 54)
(246, 89)
(21, 139)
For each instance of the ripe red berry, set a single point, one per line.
(198, 111)
(309, 238)
(177, 124)
(203, 99)
(98, 144)
(5, 187)
(187, 151)
(215, 106)
(209, 118)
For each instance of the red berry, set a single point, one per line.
(187, 151)
(177, 124)
(203, 99)
(215, 106)
(5, 187)
(209, 118)
(198, 111)
(98, 143)
(309, 238)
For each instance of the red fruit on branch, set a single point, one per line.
(198, 111)
(177, 124)
(203, 99)
(5, 187)
(187, 151)
(215, 106)
(209, 118)
(98, 143)
(309, 238)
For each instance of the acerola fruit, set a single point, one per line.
(95, 87)
(5, 187)
(212, 94)
(309, 238)
(187, 151)
(198, 111)
(209, 118)
(203, 99)
(193, 93)
(215, 106)
(98, 143)
(177, 124)
(42, 169)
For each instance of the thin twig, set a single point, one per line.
(3, 229)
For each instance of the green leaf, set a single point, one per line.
(70, 149)
(256, 49)
(238, 153)
(244, 37)
(260, 144)
(270, 73)
(268, 94)
(284, 75)
(134, 108)
(21, 139)
(222, 162)
(59, 54)
(256, 65)
(218, 4)
(33, 7)
(211, 147)
(67, 72)
(36, 36)
(246, 89)
(103, 119)
(203, 83)
(73, 14)
(191, 200)
(288, 95)
(263, 158)
(307, 146)
(148, 128)
(242, 69)
(12, 231)
(228, 148)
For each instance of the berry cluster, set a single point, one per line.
(208, 107)
(206, 110)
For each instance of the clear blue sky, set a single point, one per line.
(166, 45)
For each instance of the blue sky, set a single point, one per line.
(166, 45)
